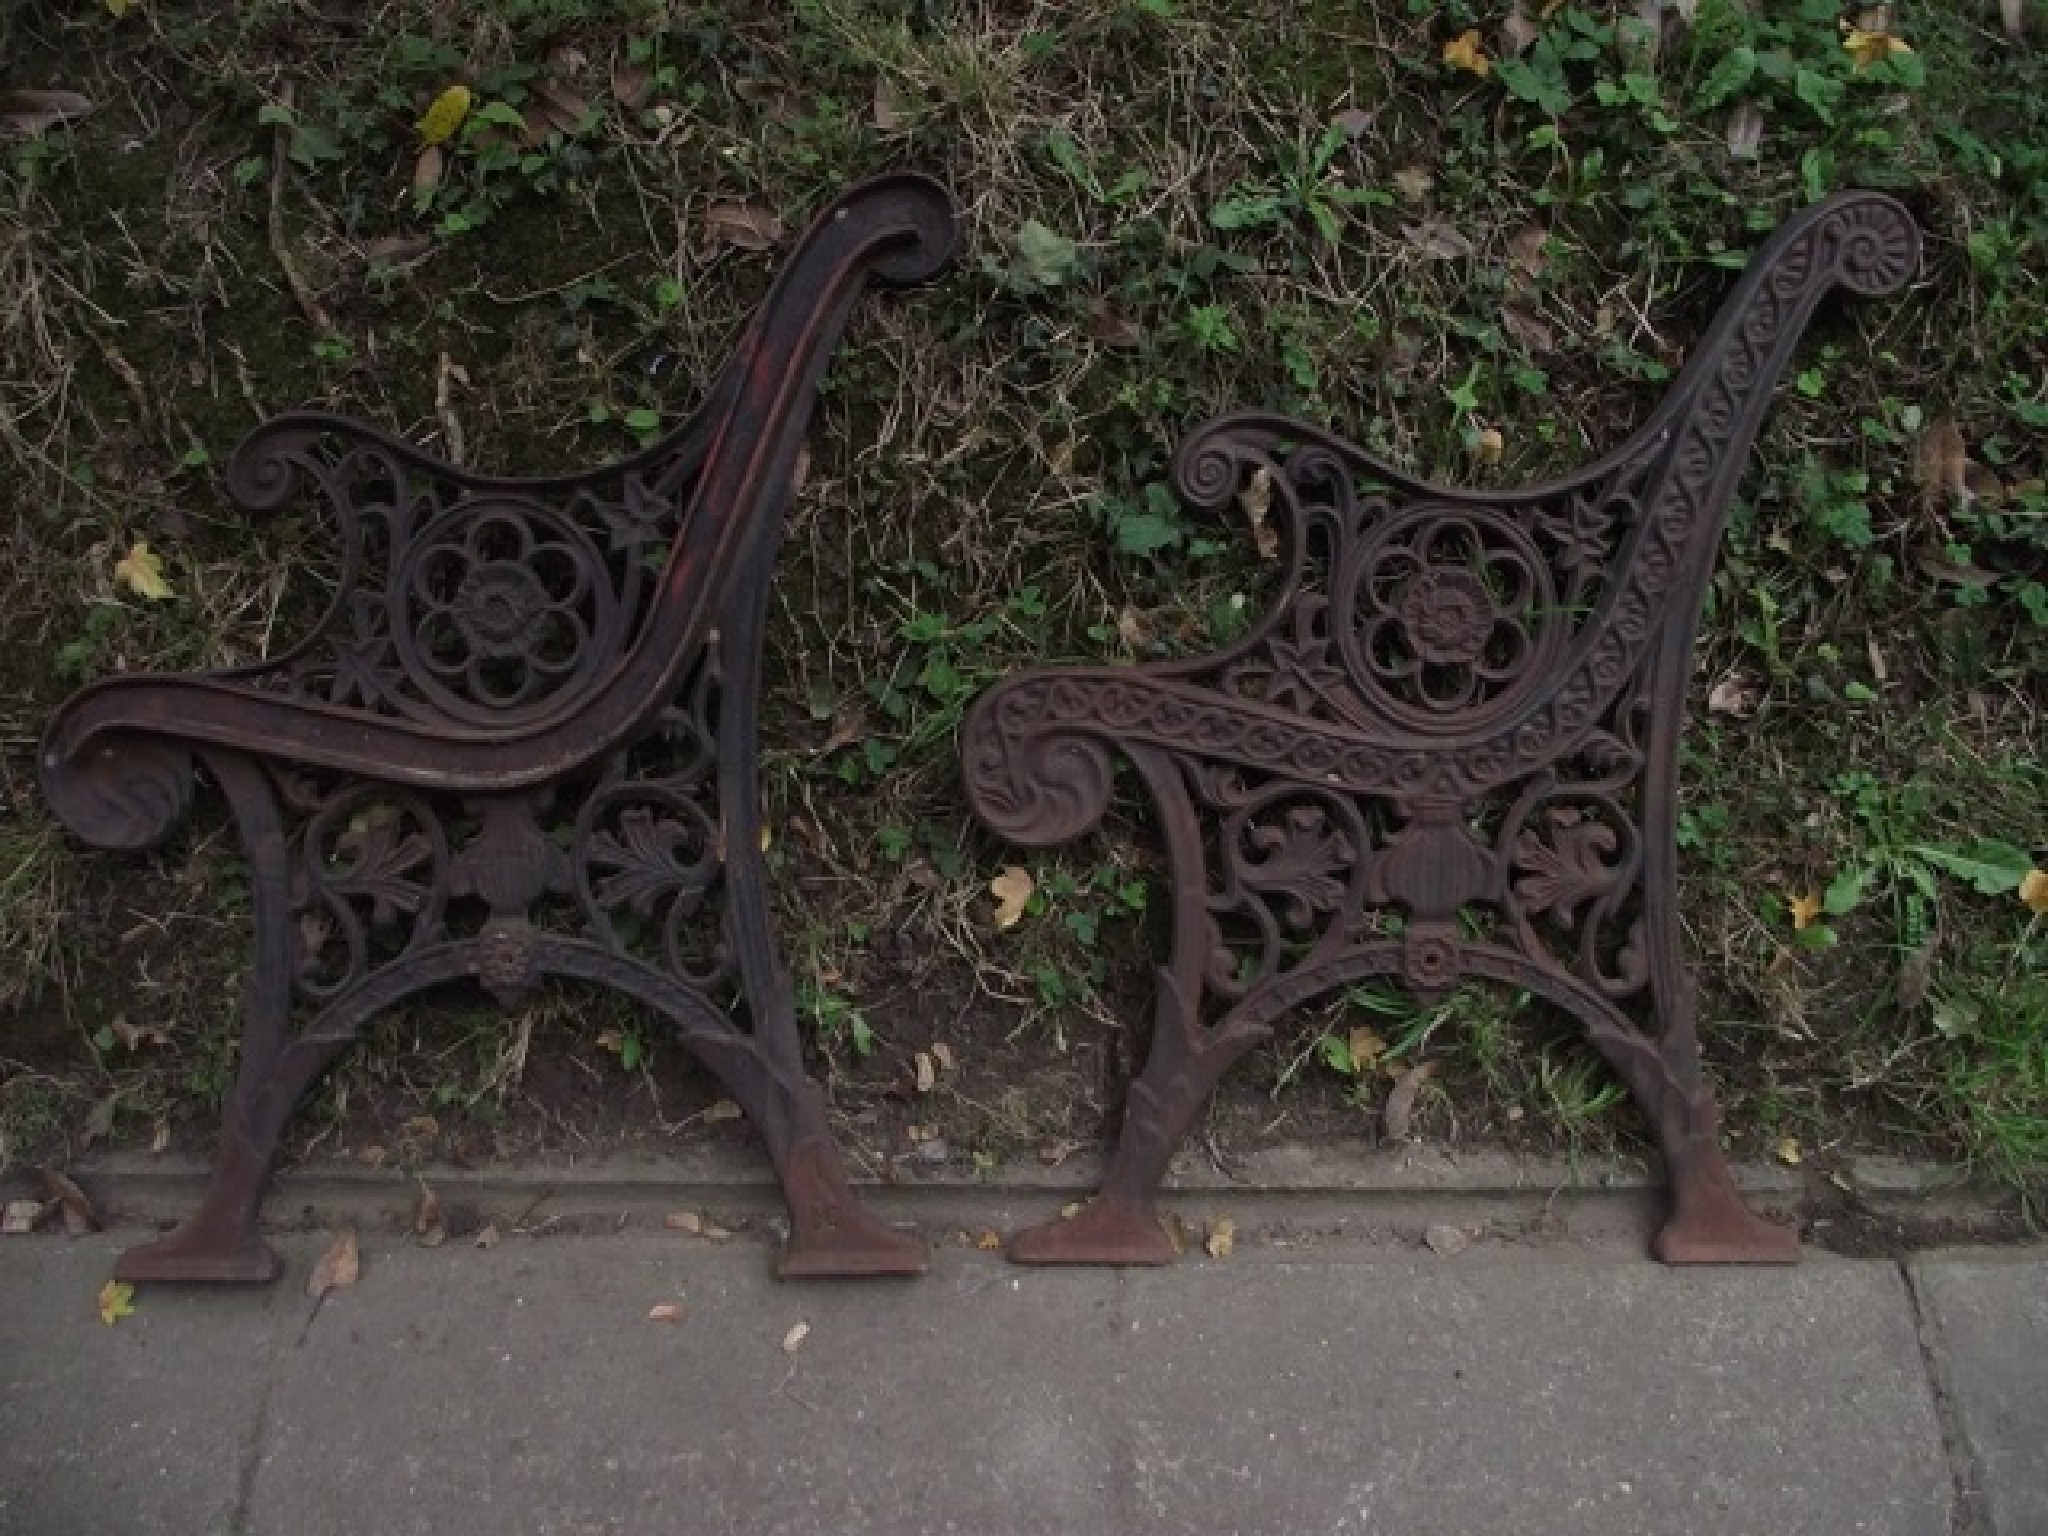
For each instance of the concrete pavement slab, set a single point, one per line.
(525, 1389)
(1339, 1387)
(1529, 1390)
(1989, 1311)
(146, 1427)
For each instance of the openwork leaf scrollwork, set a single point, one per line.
(649, 873)
(373, 867)
(1291, 869)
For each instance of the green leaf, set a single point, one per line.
(1249, 211)
(1048, 257)
(1844, 892)
(1145, 533)
(1735, 70)
(1992, 867)
(1541, 84)
(630, 1051)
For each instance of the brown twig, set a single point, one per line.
(280, 149)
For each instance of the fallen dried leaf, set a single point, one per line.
(1365, 1047)
(99, 1124)
(1012, 890)
(888, 108)
(117, 1300)
(989, 1242)
(1435, 238)
(26, 114)
(696, 1225)
(1915, 972)
(1487, 445)
(630, 84)
(746, 226)
(665, 1312)
(1071, 1209)
(1111, 326)
(427, 1226)
(141, 571)
(1518, 32)
(1400, 1105)
(19, 1217)
(1447, 1242)
(427, 171)
(1805, 910)
(1788, 1153)
(793, 1340)
(1219, 1237)
(1353, 122)
(1135, 629)
(441, 120)
(1522, 323)
(553, 108)
(1734, 695)
(488, 1238)
(1745, 131)
(942, 1053)
(1414, 183)
(927, 1071)
(1527, 252)
(722, 1109)
(161, 1139)
(339, 1267)
(1868, 46)
(1257, 500)
(79, 1216)
(1941, 464)
(1465, 52)
(2034, 891)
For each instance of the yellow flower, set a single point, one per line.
(445, 115)
(1464, 52)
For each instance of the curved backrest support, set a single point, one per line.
(493, 633)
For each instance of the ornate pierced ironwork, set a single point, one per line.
(520, 743)
(1449, 749)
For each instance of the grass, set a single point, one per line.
(1170, 209)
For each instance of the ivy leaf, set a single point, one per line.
(141, 571)
(1727, 77)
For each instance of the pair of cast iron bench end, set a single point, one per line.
(520, 743)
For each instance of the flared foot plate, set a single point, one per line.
(1106, 1232)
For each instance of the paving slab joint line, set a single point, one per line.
(1969, 1510)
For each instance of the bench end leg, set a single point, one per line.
(1711, 1224)
(831, 1235)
